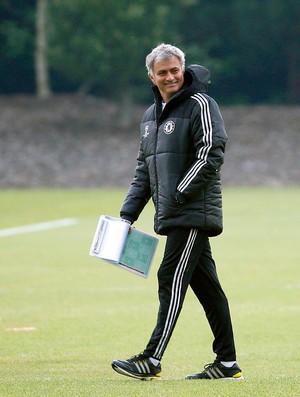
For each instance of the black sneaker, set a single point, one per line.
(216, 370)
(138, 367)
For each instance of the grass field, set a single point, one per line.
(65, 315)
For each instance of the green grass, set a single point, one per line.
(86, 312)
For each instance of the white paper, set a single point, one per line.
(109, 238)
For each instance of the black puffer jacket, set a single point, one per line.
(178, 165)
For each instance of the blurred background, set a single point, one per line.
(73, 85)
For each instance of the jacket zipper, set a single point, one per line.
(155, 168)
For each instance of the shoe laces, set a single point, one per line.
(138, 357)
(211, 365)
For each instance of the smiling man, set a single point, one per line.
(168, 76)
(180, 157)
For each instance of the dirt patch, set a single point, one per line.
(74, 141)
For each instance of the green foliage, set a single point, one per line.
(16, 45)
(85, 312)
(99, 47)
(107, 40)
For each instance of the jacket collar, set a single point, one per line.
(178, 97)
(196, 79)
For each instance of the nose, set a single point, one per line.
(170, 76)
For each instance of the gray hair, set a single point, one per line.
(163, 52)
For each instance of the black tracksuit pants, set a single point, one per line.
(188, 261)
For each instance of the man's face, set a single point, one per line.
(168, 76)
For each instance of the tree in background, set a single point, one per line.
(208, 32)
(17, 46)
(268, 49)
(41, 50)
(99, 46)
(252, 47)
(285, 22)
(103, 44)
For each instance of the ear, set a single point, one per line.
(151, 78)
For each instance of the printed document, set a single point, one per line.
(115, 241)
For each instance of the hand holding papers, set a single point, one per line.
(115, 241)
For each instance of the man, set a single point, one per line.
(181, 152)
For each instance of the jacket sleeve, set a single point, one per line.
(139, 192)
(209, 138)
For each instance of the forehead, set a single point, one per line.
(166, 64)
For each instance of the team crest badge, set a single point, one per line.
(169, 127)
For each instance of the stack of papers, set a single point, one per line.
(116, 242)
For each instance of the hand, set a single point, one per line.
(126, 220)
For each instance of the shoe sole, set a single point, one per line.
(131, 375)
(229, 378)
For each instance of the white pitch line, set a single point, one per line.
(37, 227)
(16, 329)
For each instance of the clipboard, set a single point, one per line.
(116, 242)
